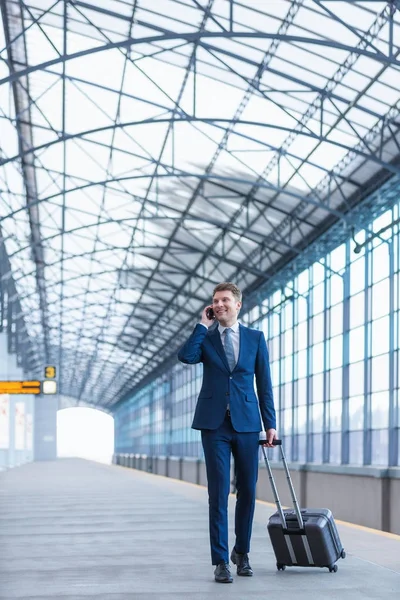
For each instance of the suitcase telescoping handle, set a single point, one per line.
(290, 483)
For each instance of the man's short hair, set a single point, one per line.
(229, 287)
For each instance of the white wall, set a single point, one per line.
(86, 433)
(16, 415)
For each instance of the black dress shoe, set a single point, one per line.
(242, 562)
(223, 573)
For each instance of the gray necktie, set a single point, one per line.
(230, 355)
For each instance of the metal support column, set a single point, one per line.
(327, 379)
(393, 335)
(345, 450)
(367, 445)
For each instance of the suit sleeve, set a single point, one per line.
(264, 385)
(191, 351)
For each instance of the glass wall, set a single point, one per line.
(157, 420)
(333, 336)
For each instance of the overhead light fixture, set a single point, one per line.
(359, 246)
(49, 387)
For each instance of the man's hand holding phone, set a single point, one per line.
(208, 317)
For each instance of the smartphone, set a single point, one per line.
(210, 314)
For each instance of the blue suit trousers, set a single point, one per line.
(218, 444)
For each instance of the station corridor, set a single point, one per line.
(73, 529)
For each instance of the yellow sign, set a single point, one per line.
(19, 387)
(50, 372)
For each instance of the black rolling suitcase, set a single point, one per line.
(302, 537)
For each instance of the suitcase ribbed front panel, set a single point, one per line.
(317, 545)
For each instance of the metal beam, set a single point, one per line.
(63, 207)
(202, 26)
(221, 146)
(197, 37)
(17, 58)
(247, 234)
(264, 92)
(211, 177)
(393, 113)
(317, 200)
(362, 213)
(209, 121)
(109, 164)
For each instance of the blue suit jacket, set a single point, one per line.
(221, 386)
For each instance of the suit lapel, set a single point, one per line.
(242, 344)
(216, 341)
(243, 339)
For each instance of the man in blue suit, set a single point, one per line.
(228, 414)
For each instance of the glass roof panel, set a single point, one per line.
(177, 144)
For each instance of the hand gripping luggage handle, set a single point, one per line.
(290, 483)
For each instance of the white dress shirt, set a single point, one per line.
(234, 337)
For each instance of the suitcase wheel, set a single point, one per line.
(280, 567)
(333, 568)
(343, 554)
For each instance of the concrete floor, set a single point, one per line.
(74, 529)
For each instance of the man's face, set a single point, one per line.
(225, 306)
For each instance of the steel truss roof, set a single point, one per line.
(150, 150)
